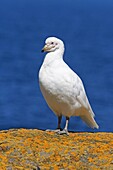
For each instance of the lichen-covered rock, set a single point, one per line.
(22, 149)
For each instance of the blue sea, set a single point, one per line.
(86, 27)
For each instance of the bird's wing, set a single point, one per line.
(78, 89)
(82, 97)
(88, 115)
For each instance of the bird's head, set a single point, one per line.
(53, 44)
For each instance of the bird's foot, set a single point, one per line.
(64, 131)
(56, 130)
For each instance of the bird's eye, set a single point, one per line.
(52, 42)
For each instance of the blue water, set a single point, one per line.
(87, 30)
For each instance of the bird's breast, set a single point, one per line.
(56, 85)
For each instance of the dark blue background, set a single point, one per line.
(86, 27)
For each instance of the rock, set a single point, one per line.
(38, 150)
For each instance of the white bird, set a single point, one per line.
(62, 88)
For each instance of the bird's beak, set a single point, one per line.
(45, 48)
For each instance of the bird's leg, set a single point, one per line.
(65, 130)
(59, 122)
(58, 127)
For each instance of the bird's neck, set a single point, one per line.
(53, 56)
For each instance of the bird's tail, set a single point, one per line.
(90, 121)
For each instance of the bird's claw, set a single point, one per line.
(50, 130)
(63, 132)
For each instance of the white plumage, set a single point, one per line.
(62, 88)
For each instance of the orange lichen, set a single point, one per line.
(22, 149)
